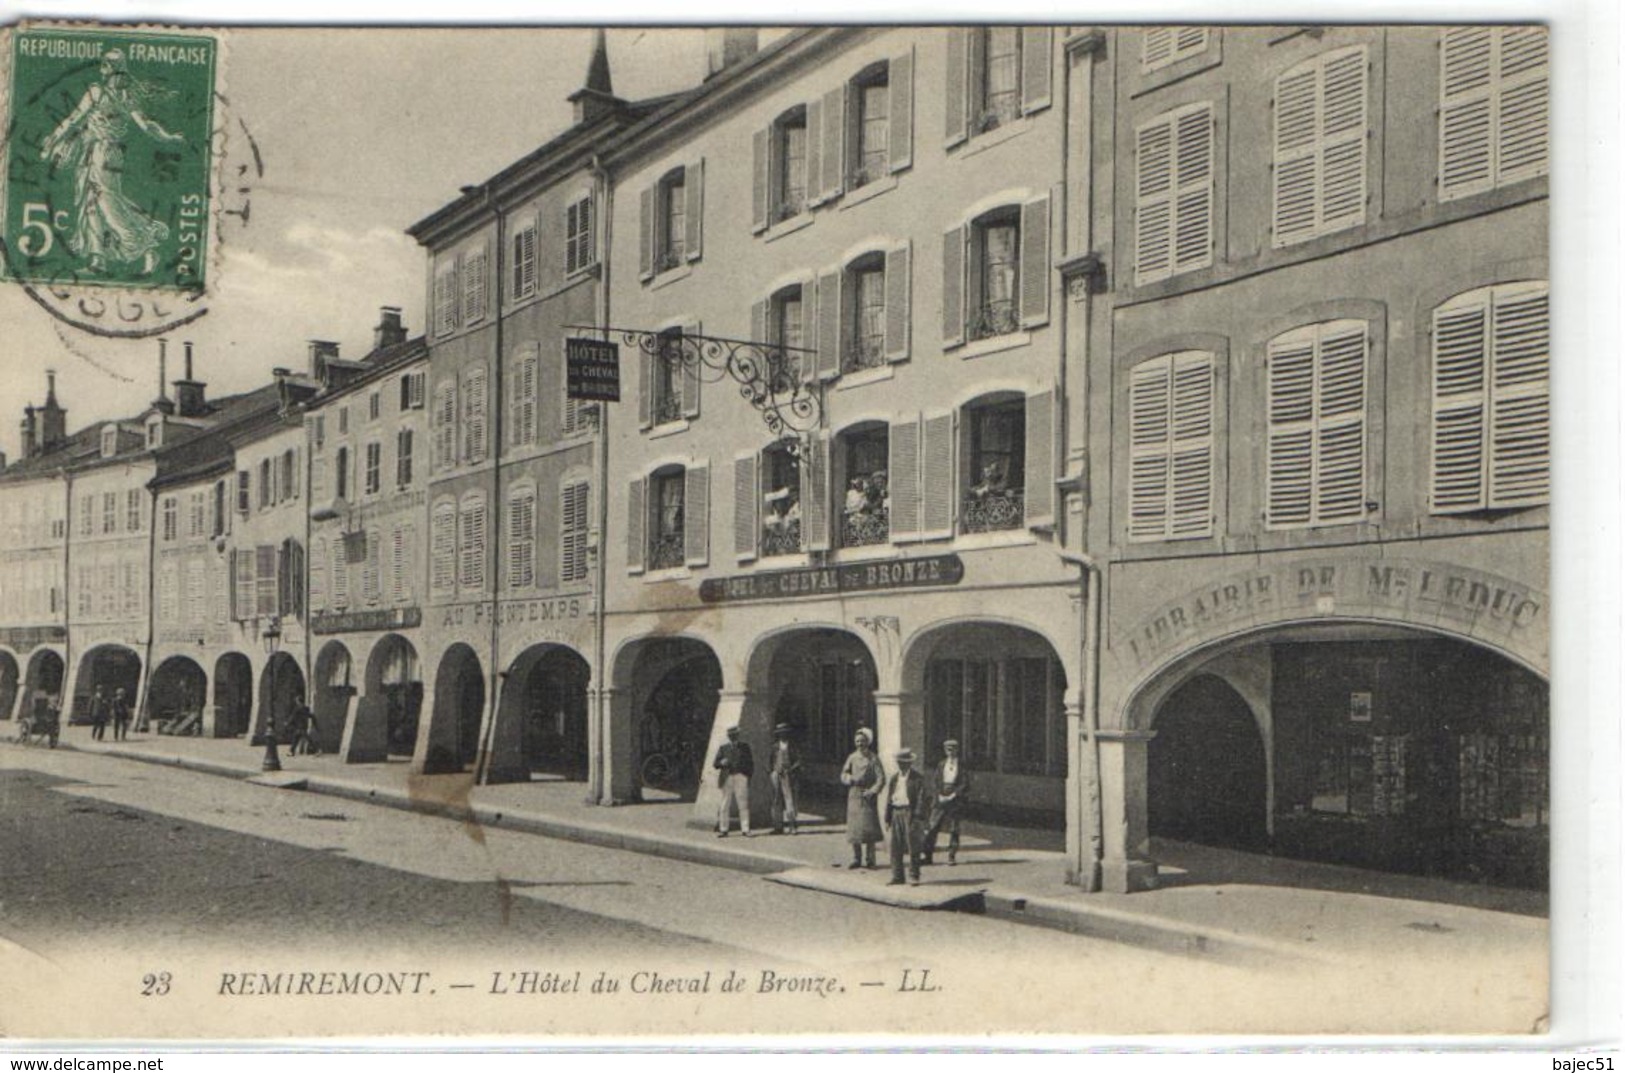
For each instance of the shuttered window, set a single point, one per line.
(474, 416)
(411, 392)
(371, 583)
(671, 219)
(1174, 193)
(697, 515)
(265, 580)
(1166, 45)
(522, 536)
(403, 458)
(339, 577)
(374, 469)
(746, 491)
(1494, 120)
(1316, 465)
(397, 552)
(444, 419)
(442, 549)
(574, 528)
(406, 557)
(471, 540)
(447, 299)
(1171, 447)
(476, 285)
(318, 574)
(522, 412)
(169, 592)
(1491, 399)
(1320, 146)
(523, 284)
(579, 251)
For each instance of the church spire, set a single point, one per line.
(596, 97)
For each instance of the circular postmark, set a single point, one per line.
(124, 168)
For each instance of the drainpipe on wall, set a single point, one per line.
(598, 735)
(143, 717)
(493, 535)
(69, 594)
(1086, 870)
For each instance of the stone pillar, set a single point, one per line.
(1126, 864)
(1082, 802)
(892, 731)
(620, 752)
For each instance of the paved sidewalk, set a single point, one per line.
(1211, 903)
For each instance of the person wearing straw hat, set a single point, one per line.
(905, 807)
(782, 766)
(952, 784)
(863, 776)
(734, 765)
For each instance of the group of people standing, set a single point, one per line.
(103, 710)
(905, 809)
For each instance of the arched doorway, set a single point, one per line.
(822, 682)
(109, 668)
(395, 683)
(670, 687)
(177, 694)
(1207, 781)
(233, 695)
(282, 687)
(459, 709)
(999, 690)
(542, 718)
(10, 684)
(42, 683)
(334, 688)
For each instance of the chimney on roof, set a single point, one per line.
(390, 331)
(596, 97)
(321, 352)
(53, 419)
(726, 46)
(27, 432)
(189, 392)
(162, 403)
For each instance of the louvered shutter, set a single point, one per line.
(829, 324)
(521, 537)
(691, 371)
(443, 552)
(474, 286)
(903, 479)
(524, 264)
(758, 322)
(1193, 204)
(1035, 262)
(694, 208)
(955, 98)
(834, 135)
(522, 413)
(339, 576)
(939, 493)
(646, 232)
(815, 492)
(637, 519)
(471, 541)
(318, 574)
(1191, 445)
(1150, 423)
(1290, 469)
(474, 416)
(1520, 419)
(1036, 73)
(1153, 201)
(371, 588)
(1320, 147)
(747, 498)
(812, 160)
(900, 111)
(897, 302)
(266, 579)
(1340, 403)
(760, 180)
(1343, 140)
(1296, 97)
(318, 482)
(574, 501)
(1466, 111)
(953, 286)
(1522, 119)
(1039, 452)
(645, 388)
(397, 564)
(697, 515)
(1157, 47)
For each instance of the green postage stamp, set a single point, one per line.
(108, 149)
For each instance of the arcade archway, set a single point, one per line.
(330, 705)
(282, 688)
(1207, 778)
(541, 725)
(233, 695)
(459, 710)
(177, 694)
(821, 681)
(669, 703)
(11, 682)
(109, 668)
(42, 682)
(395, 686)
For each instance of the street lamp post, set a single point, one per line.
(273, 640)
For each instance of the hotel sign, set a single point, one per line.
(593, 370)
(938, 570)
(399, 618)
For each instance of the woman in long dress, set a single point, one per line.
(90, 142)
(863, 776)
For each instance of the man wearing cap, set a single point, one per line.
(734, 765)
(953, 791)
(905, 801)
(781, 774)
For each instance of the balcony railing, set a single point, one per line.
(781, 537)
(869, 353)
(994, 318)
(666, 551)
(866, 526)
(991, 511)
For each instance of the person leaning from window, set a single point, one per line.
(994, 481)
(864, 777)
(952, 784)
(734, 765)
(905, 818)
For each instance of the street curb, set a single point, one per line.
(1098, 922)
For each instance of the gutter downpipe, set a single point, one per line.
(598, 730)
(142, 717)
(1085, 870)
(493, 535)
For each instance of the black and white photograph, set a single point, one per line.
(621, 531)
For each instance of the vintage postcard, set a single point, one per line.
(631, 532)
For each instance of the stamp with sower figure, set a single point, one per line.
(109, 159)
